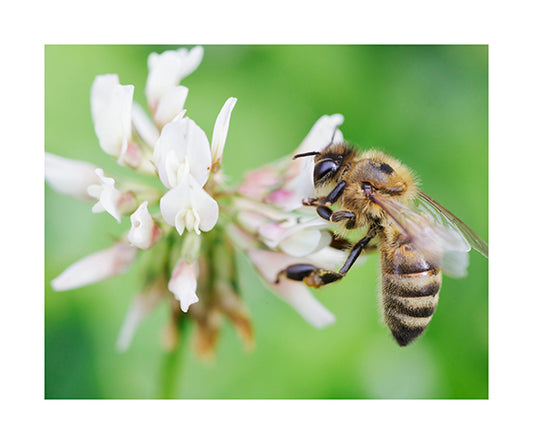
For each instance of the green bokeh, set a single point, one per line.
(426, 105)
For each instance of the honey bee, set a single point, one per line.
(417, 237)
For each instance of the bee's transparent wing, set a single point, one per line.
(446, 218)
(440, 241)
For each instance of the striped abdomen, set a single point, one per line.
(410, 290)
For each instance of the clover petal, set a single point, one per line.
(96, 267)
(169, 69)
(183, 148)
(68, 176)
(111, 109)
(220, 131)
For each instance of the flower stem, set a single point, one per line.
(172, 365)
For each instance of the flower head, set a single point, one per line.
(191, 225)
(167, 221)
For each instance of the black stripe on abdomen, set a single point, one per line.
(410, 290)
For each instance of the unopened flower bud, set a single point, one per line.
(183, 284)
(143, 232)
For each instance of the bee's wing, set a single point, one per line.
(446, 218)
(440, 241)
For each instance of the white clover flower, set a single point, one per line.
(70, 177)
(143, 232)
(263, 217)
(183, 284)
(111, 105)
(96, 267)
(189, 206)
(182, 150)
(109, 198)
(166, 143)
(167, 70)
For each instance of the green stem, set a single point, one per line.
(172, 366)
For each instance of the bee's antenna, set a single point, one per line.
(310, 153)
(314, 153)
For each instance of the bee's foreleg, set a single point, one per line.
(331, 198)
(314, 276)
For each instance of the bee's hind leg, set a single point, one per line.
(309, 274)
(316, 277)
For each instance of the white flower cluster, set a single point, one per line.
(191, 268)
(166, 143)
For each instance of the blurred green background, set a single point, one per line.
(426, 105)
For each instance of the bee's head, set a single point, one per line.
(329, 162)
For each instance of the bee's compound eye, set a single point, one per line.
(324, 167)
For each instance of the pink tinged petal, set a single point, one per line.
(258, 182)
(189, 206)
(271, 233)
(143, 231)
(284, 198)
(111, 109)
(169, 69)
(182, 149)
(70, 177)
(183, 284)
(143, 304)
(265, 176)
(170, 105)
(220, 131)
(144, 125)
(106, 193)
(252, 220)
(96, 267)
(294, 293)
